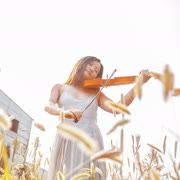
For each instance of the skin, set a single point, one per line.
(90, 72)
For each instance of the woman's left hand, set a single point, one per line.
(145, 75)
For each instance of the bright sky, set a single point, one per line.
(41, 40)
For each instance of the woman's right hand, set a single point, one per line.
(74, 114)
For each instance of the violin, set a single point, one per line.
(97, 83)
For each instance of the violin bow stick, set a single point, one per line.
(99, 90)
(54, 111)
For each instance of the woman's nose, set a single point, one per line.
(91, 68)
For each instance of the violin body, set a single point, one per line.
(97, 83)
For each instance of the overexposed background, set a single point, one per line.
(41, 40)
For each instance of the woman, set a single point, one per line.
(73, 97)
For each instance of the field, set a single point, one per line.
(153, 166)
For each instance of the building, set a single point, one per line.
(21, 127)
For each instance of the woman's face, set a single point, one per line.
(92, 70)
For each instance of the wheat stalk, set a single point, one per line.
(119, 123)
(164, 144)
(168, 81)
(5, 120)
(154, 175)
(138, 86)
(60, 176)
(39, 126)
(111, 154)
(99, 171)
(81, 175)
(176, 92)
(118, 107)
(175, 149)
(155, 148)
(82, 138)
(92, 171)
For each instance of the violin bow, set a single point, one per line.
(54, 111)
(99, 90)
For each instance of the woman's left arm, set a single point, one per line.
(129, 97)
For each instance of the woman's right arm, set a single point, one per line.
(53, 109)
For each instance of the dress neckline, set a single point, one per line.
(65, 90)
(77, 97)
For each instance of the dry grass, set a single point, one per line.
(121, 108)
(138, 86)
(119, 123)
(39, 126)
(88, 144)
(5, 120)
(81, 175)
(152, 166)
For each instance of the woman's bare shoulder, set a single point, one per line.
(56, 91)
(58, 88)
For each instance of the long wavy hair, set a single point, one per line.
(76, 76)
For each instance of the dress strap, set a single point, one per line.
(63, 90)
(64, 87)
